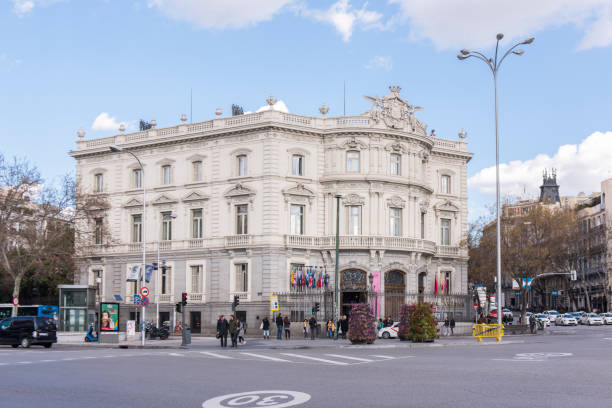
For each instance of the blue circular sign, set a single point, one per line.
(144, 301)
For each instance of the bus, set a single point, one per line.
(52, 312)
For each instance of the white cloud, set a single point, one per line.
(278, 106)
(220, 13)
(579, 168)
(22, 7)
(380, 62)
(8, 64)
(474, 23)
(345, 18)
(105, 122)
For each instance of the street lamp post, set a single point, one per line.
(118, 149)
(336, 274)
(494, 64)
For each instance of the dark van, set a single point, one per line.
(25, 331)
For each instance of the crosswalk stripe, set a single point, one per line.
(316, 359)
(208, 353)
(175, 354)
(385, 357)
(266, 357)
(365, 360)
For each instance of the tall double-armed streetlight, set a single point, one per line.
(117, 149)
(494, 64)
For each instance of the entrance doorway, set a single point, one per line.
(241, 315)
(195, 322)
(164, 317)
(353, 287)
(395, 287)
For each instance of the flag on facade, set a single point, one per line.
(436, 285)
(326, 278)
(132, 273)
(319, 278)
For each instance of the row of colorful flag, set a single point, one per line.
(309, 277)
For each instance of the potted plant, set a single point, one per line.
(362, 324)
(423, 325)
(404, 322)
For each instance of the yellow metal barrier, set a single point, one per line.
(488, 330)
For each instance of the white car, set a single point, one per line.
(606, 317)
(552, 315)
(541, 317)
(566, 320)
(389, 332)
(592, 319)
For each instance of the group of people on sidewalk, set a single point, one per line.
(234, 327)
(448, 329)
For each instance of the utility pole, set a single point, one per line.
(336, 274)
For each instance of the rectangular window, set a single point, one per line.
(242, 219)
(297, 165)
(422, 225)
(241, 283)
(445, 231)
(137, 228)
(445, 185)
(99, 183)
(166, 281)
(395, 222)
(196, 167)
(196, 278)
(242, 164)
(166, 226)
(395, 164)
(167, 174)
(98, 231)
(297, 220)
(196, 223)
(352, 161)
(137, 178)
(354, 219)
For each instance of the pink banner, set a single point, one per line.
(376, 291)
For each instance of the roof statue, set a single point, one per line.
(395, 111)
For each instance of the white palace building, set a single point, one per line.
(235, 204)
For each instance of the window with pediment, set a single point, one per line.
(352, 161)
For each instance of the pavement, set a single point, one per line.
(566, 367)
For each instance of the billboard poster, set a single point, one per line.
(132, 272)
(109, 317)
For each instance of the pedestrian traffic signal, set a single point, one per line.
(317, 307)
(313, 310)
(184, 299)
(155, 266)
(178, 308)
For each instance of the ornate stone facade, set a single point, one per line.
(232, 203)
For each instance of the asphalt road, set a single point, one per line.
(568, 367)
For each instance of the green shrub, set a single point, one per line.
(423, 325)
(404, 322)
(362, 324)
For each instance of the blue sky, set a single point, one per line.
(65, 62)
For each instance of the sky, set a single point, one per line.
(70, 64)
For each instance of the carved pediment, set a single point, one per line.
(299, 190)
(353, 199)
(447, 205)
(396, 202)
(164, 199)
(354, 143)
(424, 205)
(396, 148)
(395, 112)
(133, 202)
(195, 196)
(239, 190)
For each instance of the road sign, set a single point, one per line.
(144, 291)
(555, 292)
(15, 301)
(137, 300)
(144, 301)
(274, 307)
(475, 306)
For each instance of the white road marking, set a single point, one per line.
(208, 353)
(316, 359)
(176, 354)
(46, 361)
(266, 357)
(385, 357)
(23, 362)
(365, 360)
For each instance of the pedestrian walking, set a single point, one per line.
(446, 327)
(222, 329)
(242, 332)
(380, 323)
(287, 327)
(312, 323)
(344, 326)
(233, 330)
(279, 327)
(305, 328)
(265, 326)
(532, 323)
(452, 326)
(330, 329)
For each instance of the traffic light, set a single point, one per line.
(178, 308)
(313, 310)
(236, 302)
(317, 307)
(184, 299)
(155, 266)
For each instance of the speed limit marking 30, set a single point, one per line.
(255, 399)
(144, 291)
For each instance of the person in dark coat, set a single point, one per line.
(265, 326)
(222, 330)
(234, 327)
(344, 325)
(279, 327)
(287, 326)
(452, 326)
(313, 327)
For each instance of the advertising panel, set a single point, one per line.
(109, 317)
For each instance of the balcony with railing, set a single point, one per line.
(241, 296)
(166, 298)
(196, 297)
(361, 242)
(238, 241)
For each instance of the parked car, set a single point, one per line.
(389, 332)
(25, 331)
(552, 315)
(541, 317)
(592, 319)
(606, 318)
(578, 316)
(566, 320)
